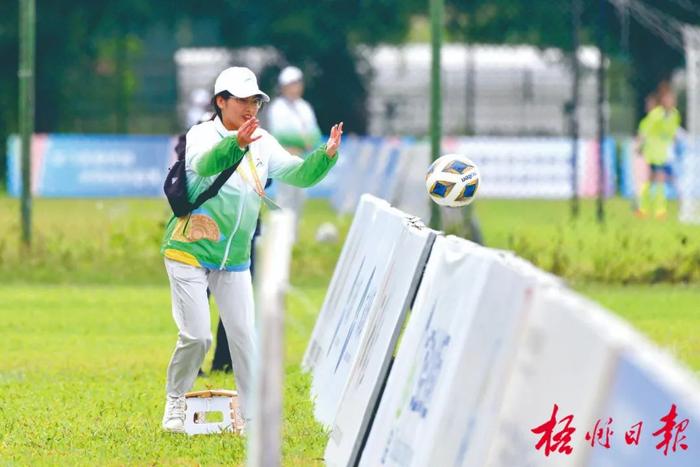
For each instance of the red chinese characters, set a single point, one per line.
(597, 435)
(556, 434)
(667, 430)
(632, 436)
(555, 442)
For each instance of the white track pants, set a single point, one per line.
(233, 292)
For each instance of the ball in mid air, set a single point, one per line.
(452, 180)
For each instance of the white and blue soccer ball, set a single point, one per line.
(452, 180)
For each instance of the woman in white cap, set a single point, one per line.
(293, 122)
(210, 247)
(291, 119)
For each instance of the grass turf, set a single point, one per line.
(668, 314)
(86, 332)
(82, 380)
(622, 250)
(117, 242)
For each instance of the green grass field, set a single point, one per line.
(86, 331)
(82, 380)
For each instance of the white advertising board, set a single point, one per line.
(341, 283)
(368, 370)
(466, 299)
(373, 283)
(566, 357)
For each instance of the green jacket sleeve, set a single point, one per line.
(298, 172)
(217, 159)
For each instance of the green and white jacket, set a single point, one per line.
(217, 235)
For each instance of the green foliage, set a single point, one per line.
(118, 241)
(623, 250)
(510, 21)
(89, 53)
(320, 38)
(85, 241)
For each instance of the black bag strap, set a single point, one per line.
(214, 188)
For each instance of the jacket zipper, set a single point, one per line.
(244, 196)
(238, 220)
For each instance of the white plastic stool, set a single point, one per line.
(202, 403)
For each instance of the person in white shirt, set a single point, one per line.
(292, 121)
(210, 246)
(197, 111)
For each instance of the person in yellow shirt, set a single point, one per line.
(655, 138)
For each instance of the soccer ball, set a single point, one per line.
(452, 180)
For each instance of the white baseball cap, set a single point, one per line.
(289, 75)
(239, 81)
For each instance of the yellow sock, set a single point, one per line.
(660, 204)
(645, 198)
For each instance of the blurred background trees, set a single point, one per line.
(108, 66)
(102, 66)
(647, 59)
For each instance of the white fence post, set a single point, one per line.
(265, 436)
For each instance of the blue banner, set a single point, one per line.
(93, 166)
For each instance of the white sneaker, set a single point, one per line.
(174, 416)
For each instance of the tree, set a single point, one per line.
(9, 51)
(83, 49)
(321, 37)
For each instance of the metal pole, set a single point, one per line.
(436, 15)
(575, 42)
(27, 26)
(121, 105)
(600, 212)
(690, 204)
(470, 91)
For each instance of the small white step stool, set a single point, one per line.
(202, 403)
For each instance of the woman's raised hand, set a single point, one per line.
(334, 139)
(245, 132)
